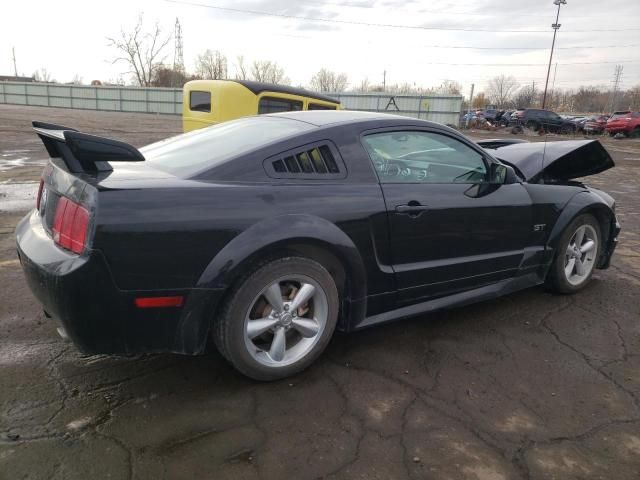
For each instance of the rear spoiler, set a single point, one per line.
(81, 152)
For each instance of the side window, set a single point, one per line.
(199, 101)
(423, 157)
(317, 106)
(273, 105)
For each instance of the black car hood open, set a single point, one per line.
(564, 160)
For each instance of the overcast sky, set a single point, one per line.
(67, 37)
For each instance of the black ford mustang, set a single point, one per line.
(267, 233)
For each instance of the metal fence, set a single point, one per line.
(437, 108)
(116, 99)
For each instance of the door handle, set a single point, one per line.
(413, 208)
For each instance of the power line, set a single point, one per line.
(436, 12)
(524, 64)
(372, 24)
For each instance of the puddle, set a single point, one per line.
(18, 197)
(15, 158)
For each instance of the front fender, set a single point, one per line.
(273, 233)
(584, 202)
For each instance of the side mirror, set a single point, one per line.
(500, 174)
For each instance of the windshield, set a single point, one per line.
(619, 115)
(190, 153)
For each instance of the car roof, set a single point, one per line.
(259, 87)
(321, 118)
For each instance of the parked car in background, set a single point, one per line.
(538, 119)
(208, 102)
(578, 122)
(627, 123)
(505, 118)
(595, 124)
(490, 114)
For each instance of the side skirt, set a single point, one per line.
(487, 292)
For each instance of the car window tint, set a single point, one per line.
(273, 105)
(202, 149)
(423, 157)
(200, 101)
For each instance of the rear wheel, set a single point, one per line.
(278, 319)
(532, 125)
(577, 255)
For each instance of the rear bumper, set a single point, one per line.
(618, 128)
(98, 317)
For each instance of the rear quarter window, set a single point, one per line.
(200, 150)
(200, 101)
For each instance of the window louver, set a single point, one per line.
(314, 161)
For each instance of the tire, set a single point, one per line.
(635, 133)
(267, 342)
(566, 130)
(531, 125)
(570, 273)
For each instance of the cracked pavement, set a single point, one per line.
(529, 386)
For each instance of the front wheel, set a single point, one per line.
(278, 319)
(577, 255)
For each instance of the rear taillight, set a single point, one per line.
(39, 197)
(70, 225)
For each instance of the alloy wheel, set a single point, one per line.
(285, 321)
(580, 257)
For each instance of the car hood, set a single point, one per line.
(564, 160)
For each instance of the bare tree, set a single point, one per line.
(268, 71)
(501, 89)
(364, 86)
(525, 97)
(327, 81)
(43, 75)
(241, 69)
(479, 101)
(76, 80)
(142, 52)
(211, 65)
(450, 87)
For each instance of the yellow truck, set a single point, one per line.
(207, 102)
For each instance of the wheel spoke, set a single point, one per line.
(580, 270)
(304, 294)
(259, 326)
(588, 246)
(307, 327)
(278, 345)
(273, 294)
(570, 250)
(568, 269)
(580, 235)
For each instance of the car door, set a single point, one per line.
(450, 229)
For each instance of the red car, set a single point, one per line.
(627, 123)
(596, 124)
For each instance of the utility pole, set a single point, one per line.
(470, 103)
(555, 27)
(178, 54)
(384, 81)
(15, 68)
(617, 78)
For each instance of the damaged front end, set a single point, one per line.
(551, 162)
